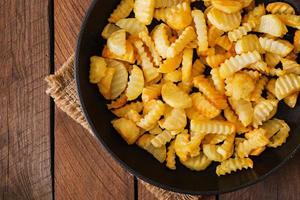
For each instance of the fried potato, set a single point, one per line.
(264, 111)
(151, 46)
(198, 163)
(280, 137)
(98, 69)
(118, 103)
(248, 43)
(287, 85)
(187, 63)
(214, 61)
(212, 126)
(108, 30)
(201, 29)
(256, 141)
(135, 84)
(280, 47)
(219, 83)
(145, 143)
(127, 129)
(161, 139)
(150, 72)
(177, 17)
(280, 8)
(176, 120)
(206, 108)
(150, 119)
(243, 109)
(170, 64)
(185, 38)
(132, 26)
(105, 84)
(129, 55)
(272, 59)
(121, 112)
(235, 64)
(297, 41)
(120, 78)
(242, 86)
(290, 20)
(122, 11)
(208, 89)
(160, 36)
(272, 25)
(238, 33)
(151, 92)
(224, 21)
(213, 34)
(175, 97)
(171, 156)
(291, 100)
(260, 85)
(228, 6)
(290, 66)
(144, 10)
(232, 165)
(255, 14)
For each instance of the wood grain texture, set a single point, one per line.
(25, 168)
(283, 184)
(83, 169)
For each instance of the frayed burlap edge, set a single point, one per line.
(62, 88)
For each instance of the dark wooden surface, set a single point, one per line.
(82, 169)
(25, 164)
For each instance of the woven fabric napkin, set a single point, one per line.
(62, 88)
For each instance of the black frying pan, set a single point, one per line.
(139, 162)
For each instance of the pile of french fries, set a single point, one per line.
(203, 85)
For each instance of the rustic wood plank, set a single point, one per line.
(25, 167)
(83, 169)
(283, 184)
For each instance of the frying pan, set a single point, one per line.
(142, 164)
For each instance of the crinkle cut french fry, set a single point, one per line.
(145, 143)
(201, 29)
(135, 84)
(280, 8)
(272, 25)
(187, 63)
(175, 97)
(122, 11)
(150, 72)
(280, 47)
(206, 108)
(233, 164)
(144, 10)
(287, 85)
(212, 126)
(208, 89)
(223, 21)
(132, 26)
(185, 38)
(297, 41)
(238, 62)
(228, 6)
(120, 79)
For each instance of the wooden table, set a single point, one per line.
(43, 153)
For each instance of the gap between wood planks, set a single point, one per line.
(52, 104)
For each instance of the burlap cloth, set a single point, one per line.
(62, 88)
